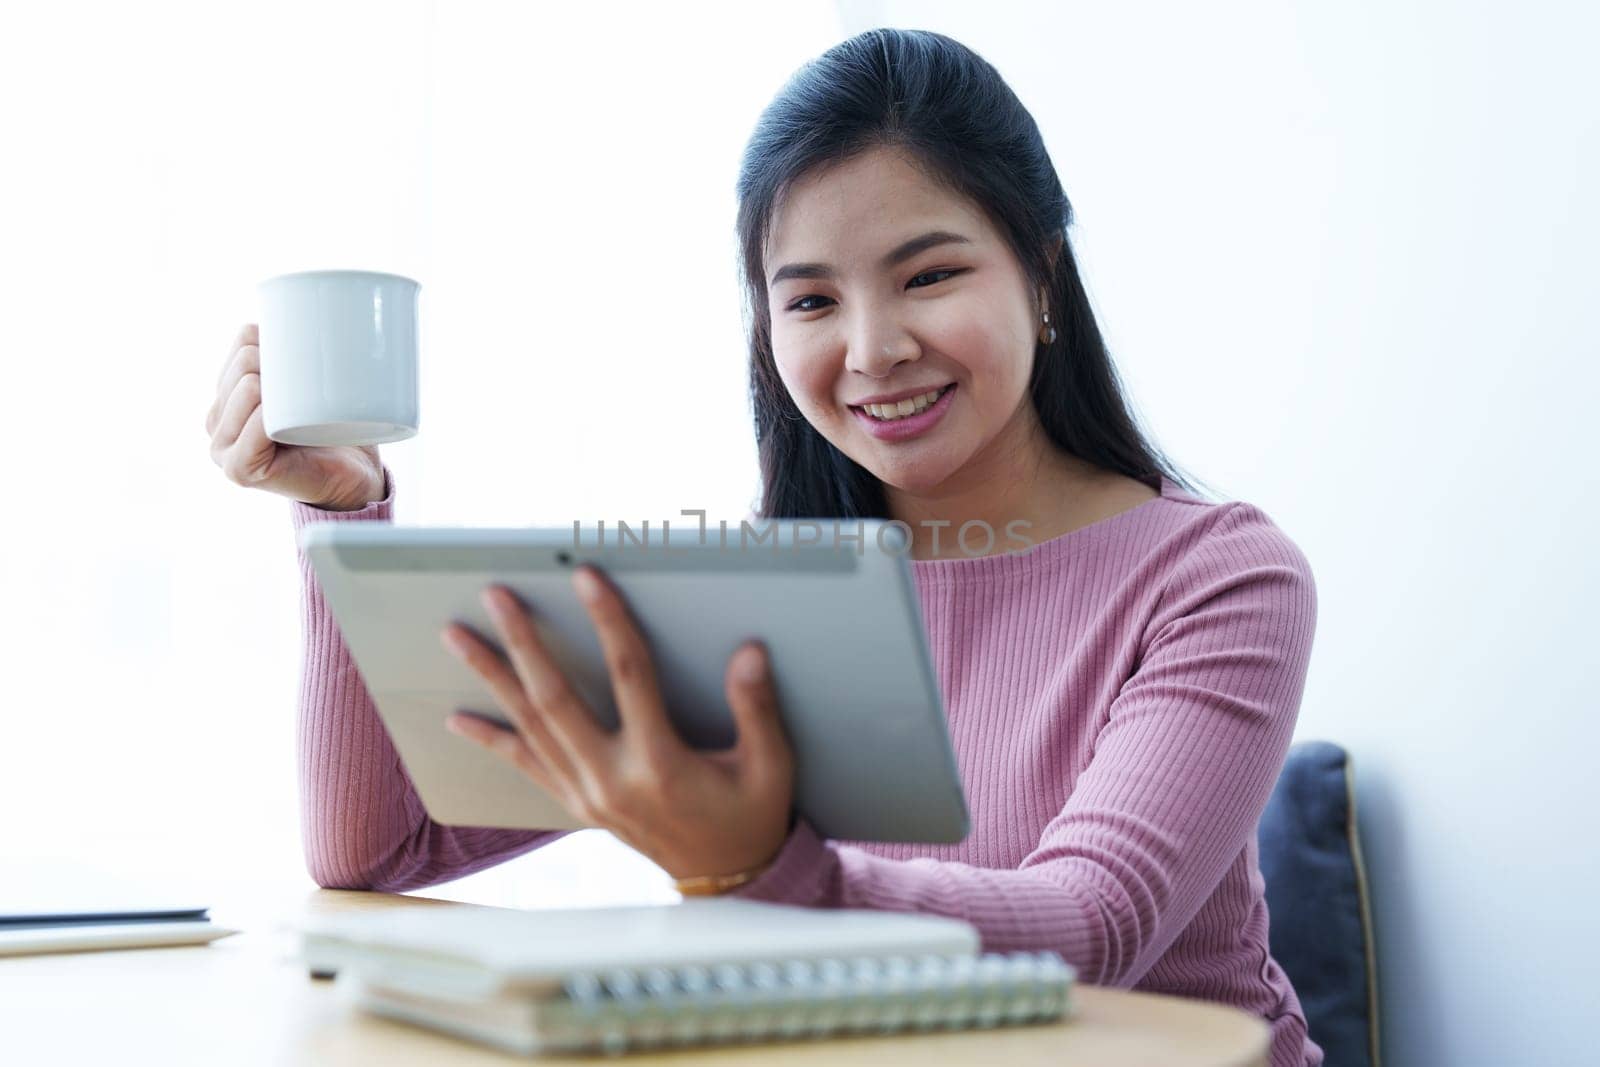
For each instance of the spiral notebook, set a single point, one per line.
(700, 972)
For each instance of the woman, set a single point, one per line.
(1121, 694)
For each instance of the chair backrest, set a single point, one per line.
(1321, 917)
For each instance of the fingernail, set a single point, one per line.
(751, 666)
(587, 585)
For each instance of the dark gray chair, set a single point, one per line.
(1321, 932)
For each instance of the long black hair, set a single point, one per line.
(941, 102)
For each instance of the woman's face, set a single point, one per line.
(882, 283)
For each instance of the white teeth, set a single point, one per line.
(900, 409)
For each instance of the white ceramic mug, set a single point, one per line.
(339, 357)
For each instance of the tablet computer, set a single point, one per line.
(838, 614)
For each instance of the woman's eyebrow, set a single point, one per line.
(915, 246)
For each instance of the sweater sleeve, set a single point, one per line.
(1182, 769)
(363, 825)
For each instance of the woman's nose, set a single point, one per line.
(876, 346)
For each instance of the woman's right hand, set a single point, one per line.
(336, 478)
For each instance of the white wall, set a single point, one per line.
(1346, 255)
(560, 177)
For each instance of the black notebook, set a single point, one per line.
(58, 907)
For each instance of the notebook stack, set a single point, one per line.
(701, 972)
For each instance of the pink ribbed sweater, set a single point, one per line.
(1120, 698)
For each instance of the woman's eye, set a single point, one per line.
(936, 275)
(800, 305)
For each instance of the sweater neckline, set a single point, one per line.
(1044, 553)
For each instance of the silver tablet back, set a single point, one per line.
(841, 622)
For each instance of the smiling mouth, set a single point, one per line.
(904, 409)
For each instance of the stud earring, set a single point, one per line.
(1047, 332)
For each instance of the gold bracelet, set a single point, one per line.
(711, 885)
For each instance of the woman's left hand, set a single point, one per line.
(694, 813)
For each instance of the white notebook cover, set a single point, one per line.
(473, 952)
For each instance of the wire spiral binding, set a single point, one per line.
(616, 1011)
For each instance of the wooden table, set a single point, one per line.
(244, 1000)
